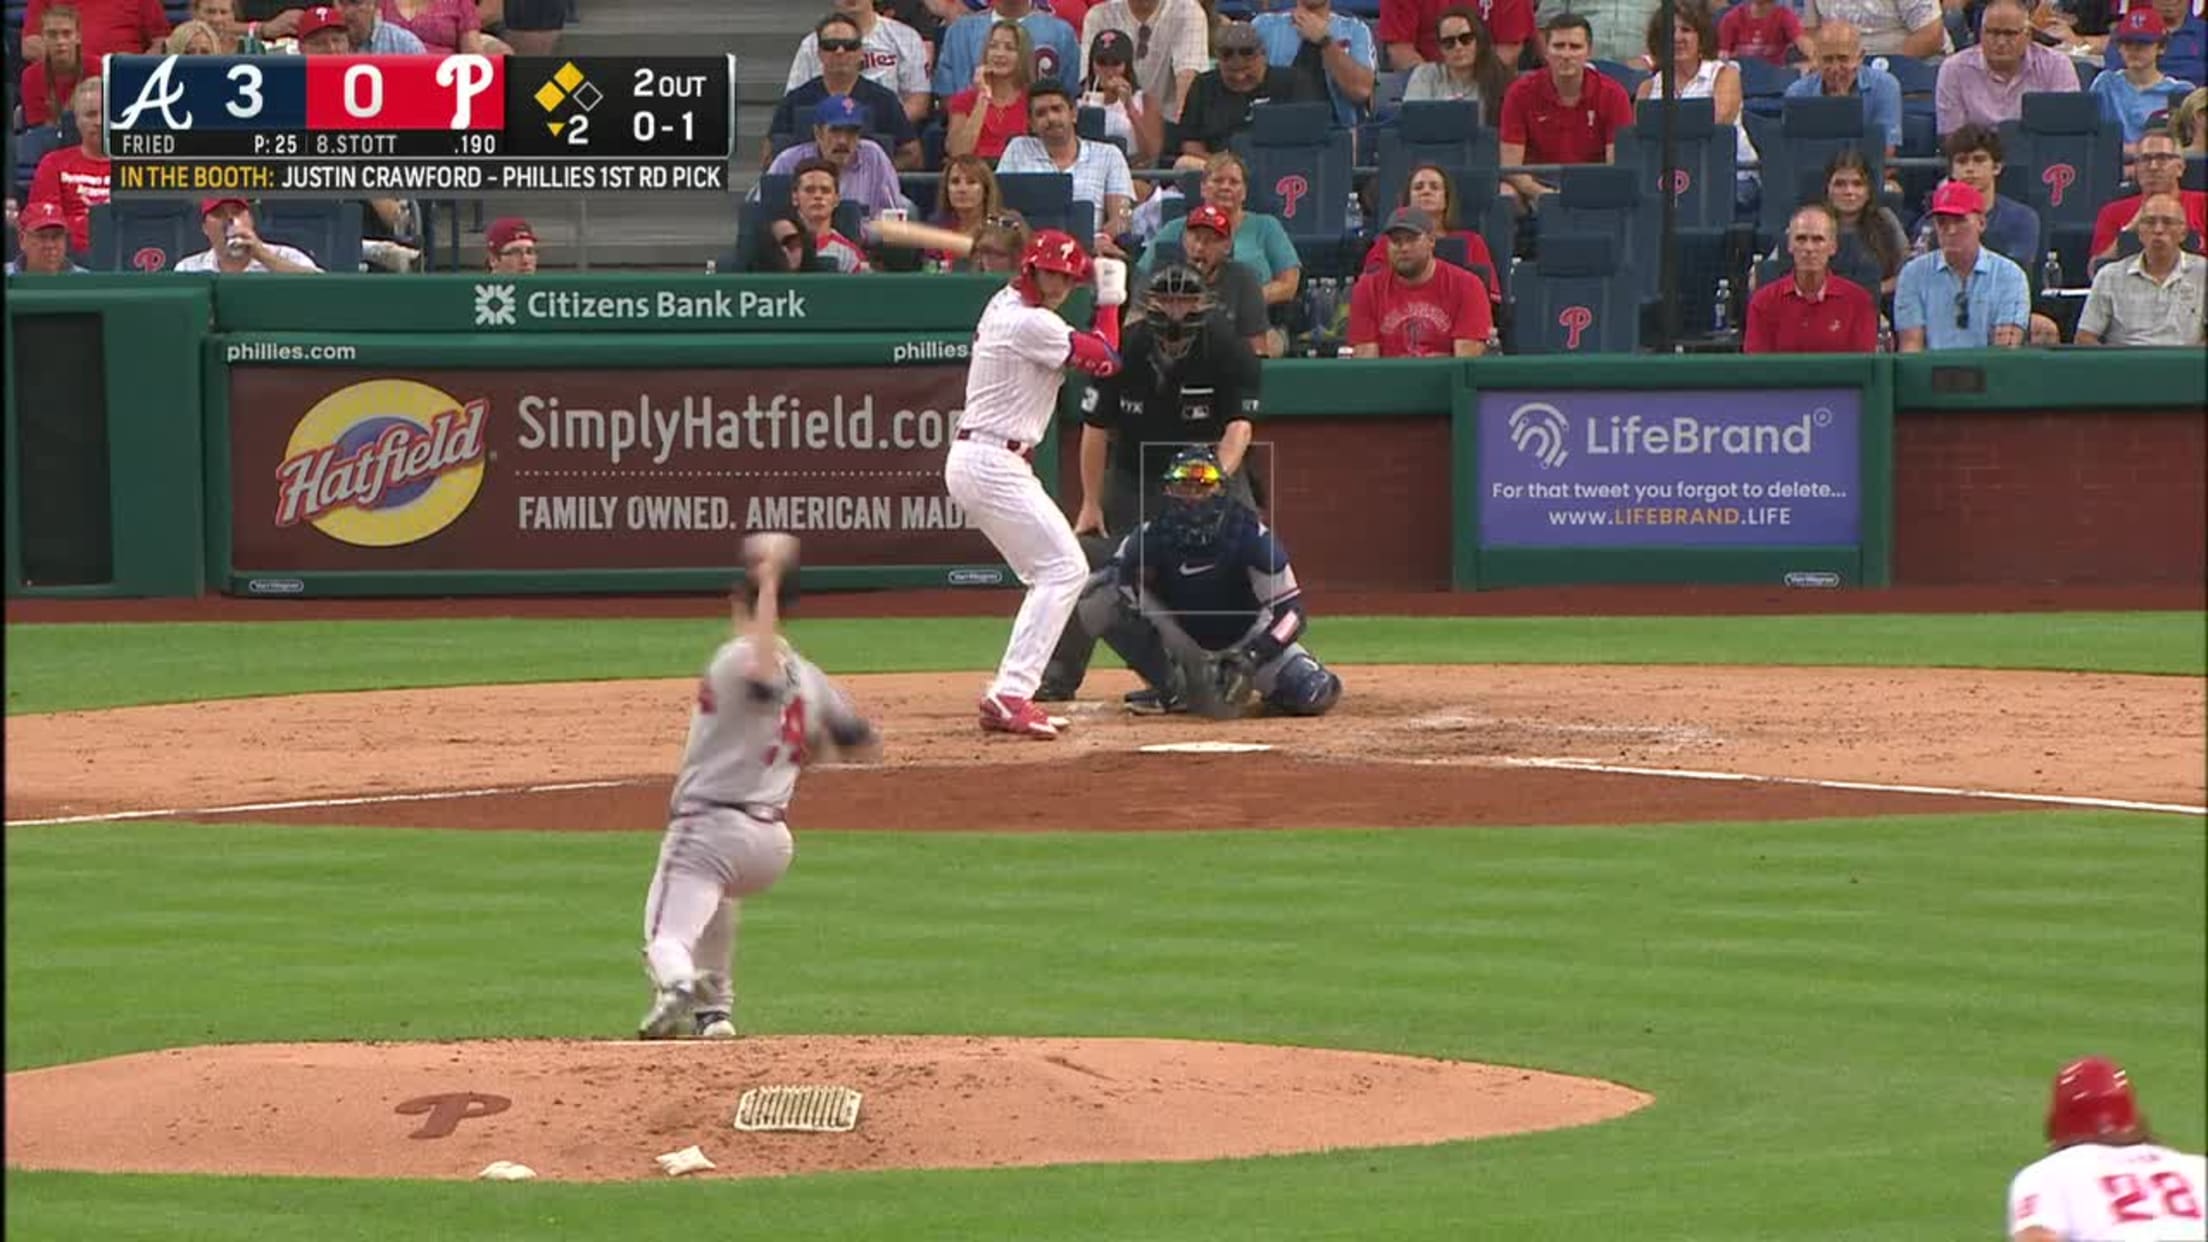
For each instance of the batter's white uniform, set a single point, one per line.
(1019, 360)
(2095, 1193)
(726, 833)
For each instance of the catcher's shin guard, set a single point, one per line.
(1137, 642)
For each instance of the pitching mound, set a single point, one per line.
(600, 1111)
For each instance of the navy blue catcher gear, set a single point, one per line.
(1304, 687)
(1196, 502)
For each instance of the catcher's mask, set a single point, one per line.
(1196, 501)
(1176, 303)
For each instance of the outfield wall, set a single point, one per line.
(607, 433)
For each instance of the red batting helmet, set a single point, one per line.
(2092, 1100)
(1054, 250)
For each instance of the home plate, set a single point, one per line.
(1202, 748)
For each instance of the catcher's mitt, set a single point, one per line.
(1234, 673)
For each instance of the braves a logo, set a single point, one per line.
(1291, 191)
(2057, 178)
(1676, 180)
(1574, 320)
(150, 259)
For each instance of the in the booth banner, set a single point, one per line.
(1684, 468)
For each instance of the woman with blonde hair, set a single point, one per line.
(232, 37)
(988, 115)
(1259, 240)
(967, 198)
(193, 38)
(2189, 122)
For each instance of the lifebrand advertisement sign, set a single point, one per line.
(429, 469)
(1686, 468)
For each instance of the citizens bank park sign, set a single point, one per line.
(334, 470)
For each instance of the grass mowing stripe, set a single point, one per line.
(66, 667)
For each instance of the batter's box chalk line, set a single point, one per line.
(811, 1108)
(1670, 735)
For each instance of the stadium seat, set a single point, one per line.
(1811, 130)
(1448, 133)
(1043, 199)
(327, 229)
(144, 235)
(1573, 300)
(1387, 94)
(2196, 172)
(1089, 123)
(1623, 74)
(32, 145)
(1594, 198)
(1919, 79)
(1301, 173)
(1763, 85)
(2064, 160)
(1702, 178)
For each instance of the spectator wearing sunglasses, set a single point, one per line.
(2156, 297)
(840, 52)
(891, 55)
(1411, 31)
(780, 246)
(1962, 295)
(1169, 40)
(1220, 100)
(1467, 66)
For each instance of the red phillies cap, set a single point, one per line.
(2141, 25)
(1954, 198)
(207, 205)
(43, 214)
(1210, 217)
(318, 19)
(507, 230)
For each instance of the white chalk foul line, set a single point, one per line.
(1689, 774)
(174, 812)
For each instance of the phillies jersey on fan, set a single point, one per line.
(1019, 360)
(2140, 1192)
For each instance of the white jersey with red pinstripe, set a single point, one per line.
(1019, 362)
(2094, 1192)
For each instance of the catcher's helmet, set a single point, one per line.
(1196, 500)
(2092, 1100)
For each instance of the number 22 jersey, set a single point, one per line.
(2091, 1192)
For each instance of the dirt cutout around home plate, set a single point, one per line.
(600, 1111)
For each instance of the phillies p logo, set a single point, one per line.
(1574, 320)
(150, 259)
(1291, 191)
(2057, 178)
(1678, 181)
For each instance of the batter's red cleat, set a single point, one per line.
(1007, 713)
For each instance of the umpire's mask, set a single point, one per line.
(1176, 303)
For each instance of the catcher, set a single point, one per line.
(1203, 605)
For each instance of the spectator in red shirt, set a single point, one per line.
(1762, 30)
(1418, 306)
(1407, 27)
(49, 81)
(1810, 310)
(1432, 190)
(76, 178)
(2161, 170)
(130, 27)
(988, 115)
(1563, 112)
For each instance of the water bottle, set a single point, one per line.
(1356, 216)
(1515, 261)
(2050, 276)
(1721, 308)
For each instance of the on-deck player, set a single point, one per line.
(1021, 351)
(2107, 1180)
(761, 709)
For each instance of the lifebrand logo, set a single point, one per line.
(1538, 430)
(382, 463)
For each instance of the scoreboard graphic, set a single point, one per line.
(314, 126)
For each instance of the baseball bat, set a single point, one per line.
(921, 237)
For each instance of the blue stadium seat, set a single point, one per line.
(1044, 199)
(144, 235)
(1445, 132)
(33, 145)
(1574, 299)
(1763, 85)
(326, 229)
(1301, 173)
(1811, 130)
(2064, 160)
(1387, 94)
(1594, 198)
(2196, 172)
(1702, 179)
(2087, 71)
(1918, 78)
(1623, 74)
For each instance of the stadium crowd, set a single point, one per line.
(1849, 175)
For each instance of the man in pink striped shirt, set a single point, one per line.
(1985, 84)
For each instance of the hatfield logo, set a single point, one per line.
(382, 463)
(494, 306)
(1538, 428)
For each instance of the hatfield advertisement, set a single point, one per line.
(486, 470)
(1686, 468)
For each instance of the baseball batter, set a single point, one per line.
(2106, 1180)
(1021, 351)
(761, 709)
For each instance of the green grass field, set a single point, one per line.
(1847, 1025)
